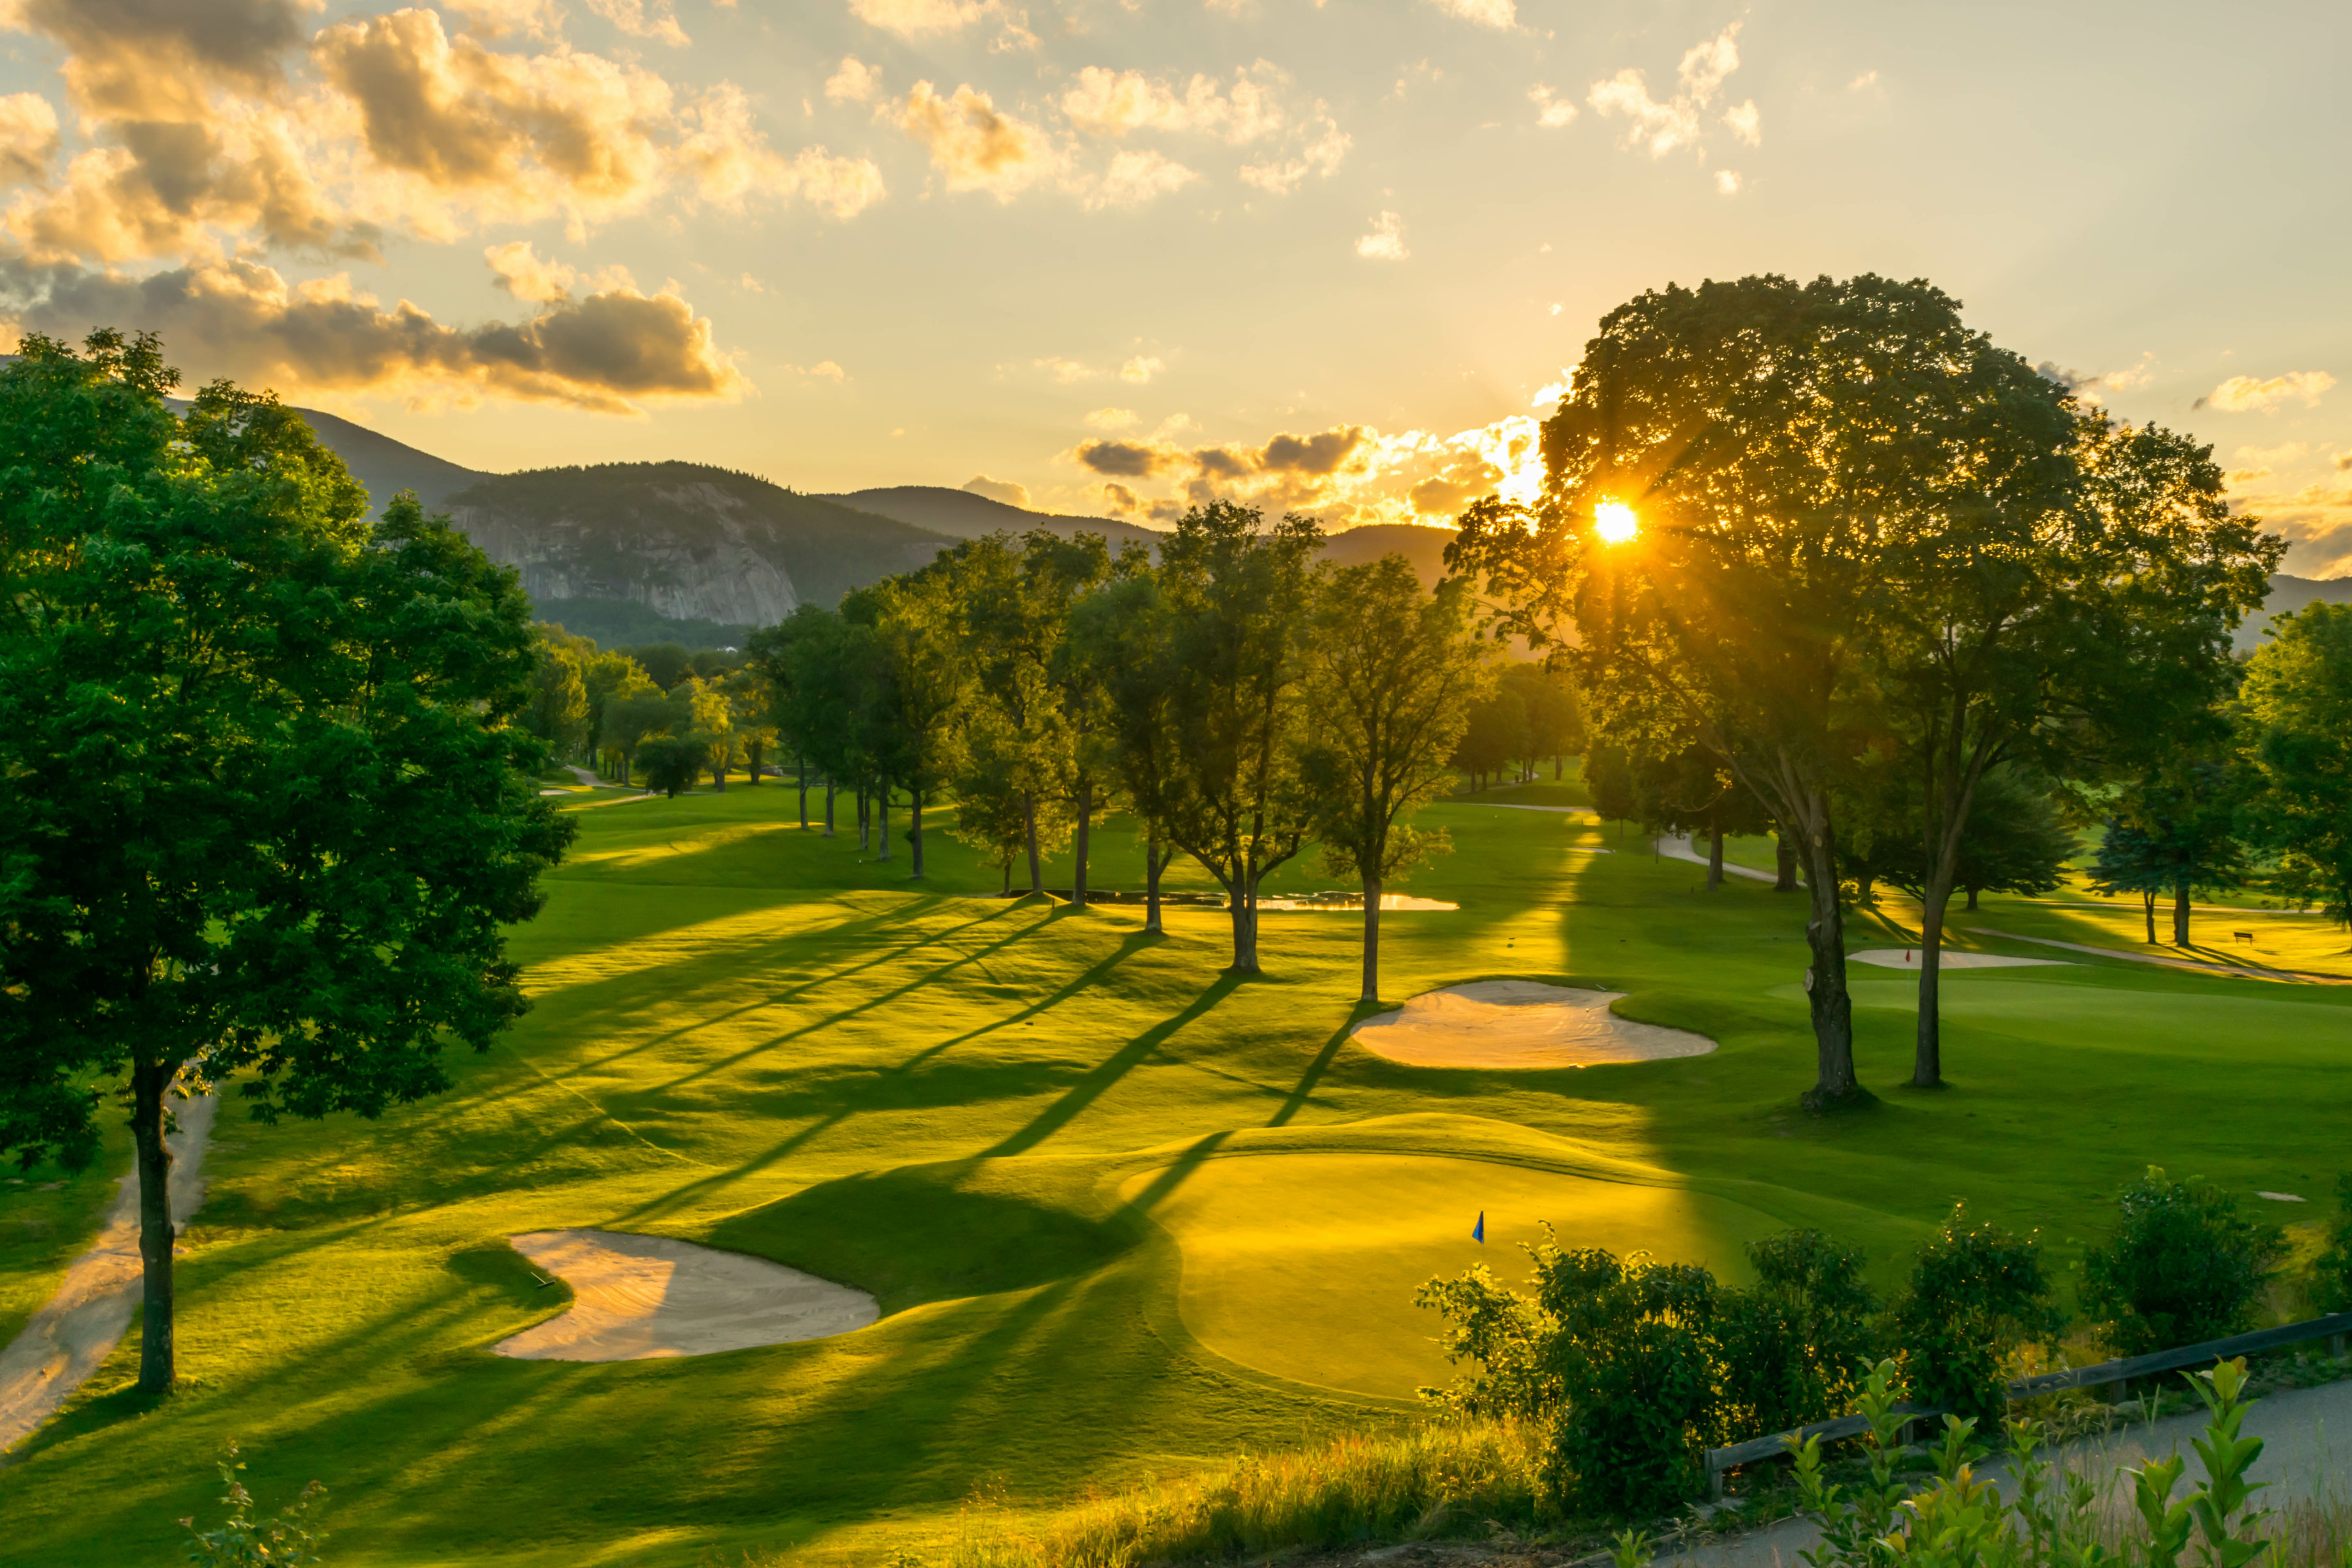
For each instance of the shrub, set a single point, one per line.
(2334, 1269)
(2183, 1268)
(1791, 1347)
(1976, 1293)
(244, 1542)
(1503, 1334)
(670, 765)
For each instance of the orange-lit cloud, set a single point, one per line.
(28, 138)
(2247, 395)
(1661, 127)
(973, 145)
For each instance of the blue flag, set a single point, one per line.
(1478, 1231)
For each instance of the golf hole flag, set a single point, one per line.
(1478, 1231)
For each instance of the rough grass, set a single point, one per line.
(980, 1110)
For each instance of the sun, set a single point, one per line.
(1615, 522)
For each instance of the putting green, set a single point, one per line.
(1304, 1265)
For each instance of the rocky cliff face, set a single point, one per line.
(685, 540)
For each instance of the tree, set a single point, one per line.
(268, 806)
(558, 710)
(1493, 730)
(699, 711)
(2016, 841)
(630, 716)
(1391, 673)
(799, 656)
(1115, 631)
(665, 663)
(2174, 831)
(672, 763)
(609, 677)
(1223, 670)
(750, 715)
(2296, 729)
(918, 687)
(1555, 719)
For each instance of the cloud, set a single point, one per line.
(921, 18)
(1135, 178)
(1066, 371)
(1003, 491)
(729, 160)
(541, 19)
(1140, 369)
(1726, 182)
(2343, 461)
(1553, 390)
(522, 274)
(1113, 103)
(1663, 127)
(974, 147)
(638, 20)
(1320, 157)
(1868, 78)
(823, 370)
(1550, 113)
(1126, 459)
(2246, 394)
(609, 352)
(2095, 386)
(1111, 418)
(855, 82)
(28, 138)
(1486, 13)
(1386, 242)
(157, 59)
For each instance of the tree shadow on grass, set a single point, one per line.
(1125, 1059)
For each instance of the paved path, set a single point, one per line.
(82, 1324)
(2306, 1456)
(1679, 847)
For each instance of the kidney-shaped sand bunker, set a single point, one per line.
(638, 1296)
(1519, 1024)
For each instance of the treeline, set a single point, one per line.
(655, 709)
(1239, 700)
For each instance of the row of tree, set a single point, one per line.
(1239, 700)
(1850, 539)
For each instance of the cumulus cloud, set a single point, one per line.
(1111, 418)
(1127, 460)
(157, 59)
(1135, 178)
(609, 352)
(1104, 102)
(640, 20)
(2247, 394)
(1726, 182)
(823, 370)
(1662, 127)
(1141, 368)
(1486, 13)
(931, 18)
(28, 138)
(1005, 490)
(855, 82)
(973, 146)
(1321, 157)
(521, 273)
(1550, 113)
(541, 19)
(1386, 241)
(2095, 387)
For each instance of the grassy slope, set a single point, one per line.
(975, 1107)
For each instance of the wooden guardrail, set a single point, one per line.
(2106, 1372)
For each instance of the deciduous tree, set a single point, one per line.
(2295, 728)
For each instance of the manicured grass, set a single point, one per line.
(1125, 1215)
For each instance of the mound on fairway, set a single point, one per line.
(1909, 958)
(1304, 1265)
(639, 1297)
(1519, 1024)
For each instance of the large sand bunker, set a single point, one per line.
(1519, 1024)
(638, 1296)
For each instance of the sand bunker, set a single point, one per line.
(638, 1296)
(1519, 1024)
(1909, 958)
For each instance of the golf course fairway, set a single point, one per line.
(1121, 1214)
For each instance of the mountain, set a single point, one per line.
(964, 515)
(2290, 594)
(1423, 546)
(387, 466)
(681, 541)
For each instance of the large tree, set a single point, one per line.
(2296, 729)
(2175, 830)
(1392, 672)
(1223, 671)
(919, 679)
(266, 806)
(1132, 738)
(1723, 487)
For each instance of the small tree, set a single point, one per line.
(1131, 734)
(1391, 673)
(1493, 730)
(2015, 841)
(280, 1540)
(558, 710)
(1555, 718)
(2176, 831)
(2295, 732)
(671, 763)
(2184, 1267)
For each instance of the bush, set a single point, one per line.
(670, 765)
(1976, 1292)
(2334, 1269)
(244, 1542)
(2183, 1268)
(1792, 1347)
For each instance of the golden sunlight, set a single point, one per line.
(1615, 522)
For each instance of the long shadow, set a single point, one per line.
(1175, 1175)
(1305, 1089)
(1083, 981)
(1090, 1088)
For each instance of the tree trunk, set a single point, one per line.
(751, 751)
(1825, 989)
(1972, 901)
(1152, 866)
(1928, 1059)
(1784, 862)
(1029, 838)
(828, 805)
(1714, 856)
(1371, 941)
(2180, 915)
(157, 1363)
(2148, 898)
(865, 818)
(1244, 902)
(1557, 764)
(882, 819)
(915, 830)
(1078, 871)
(800, 777)
(719, 775)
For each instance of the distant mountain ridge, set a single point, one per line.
(968, 516)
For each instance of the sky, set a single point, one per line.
(1118, 257)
